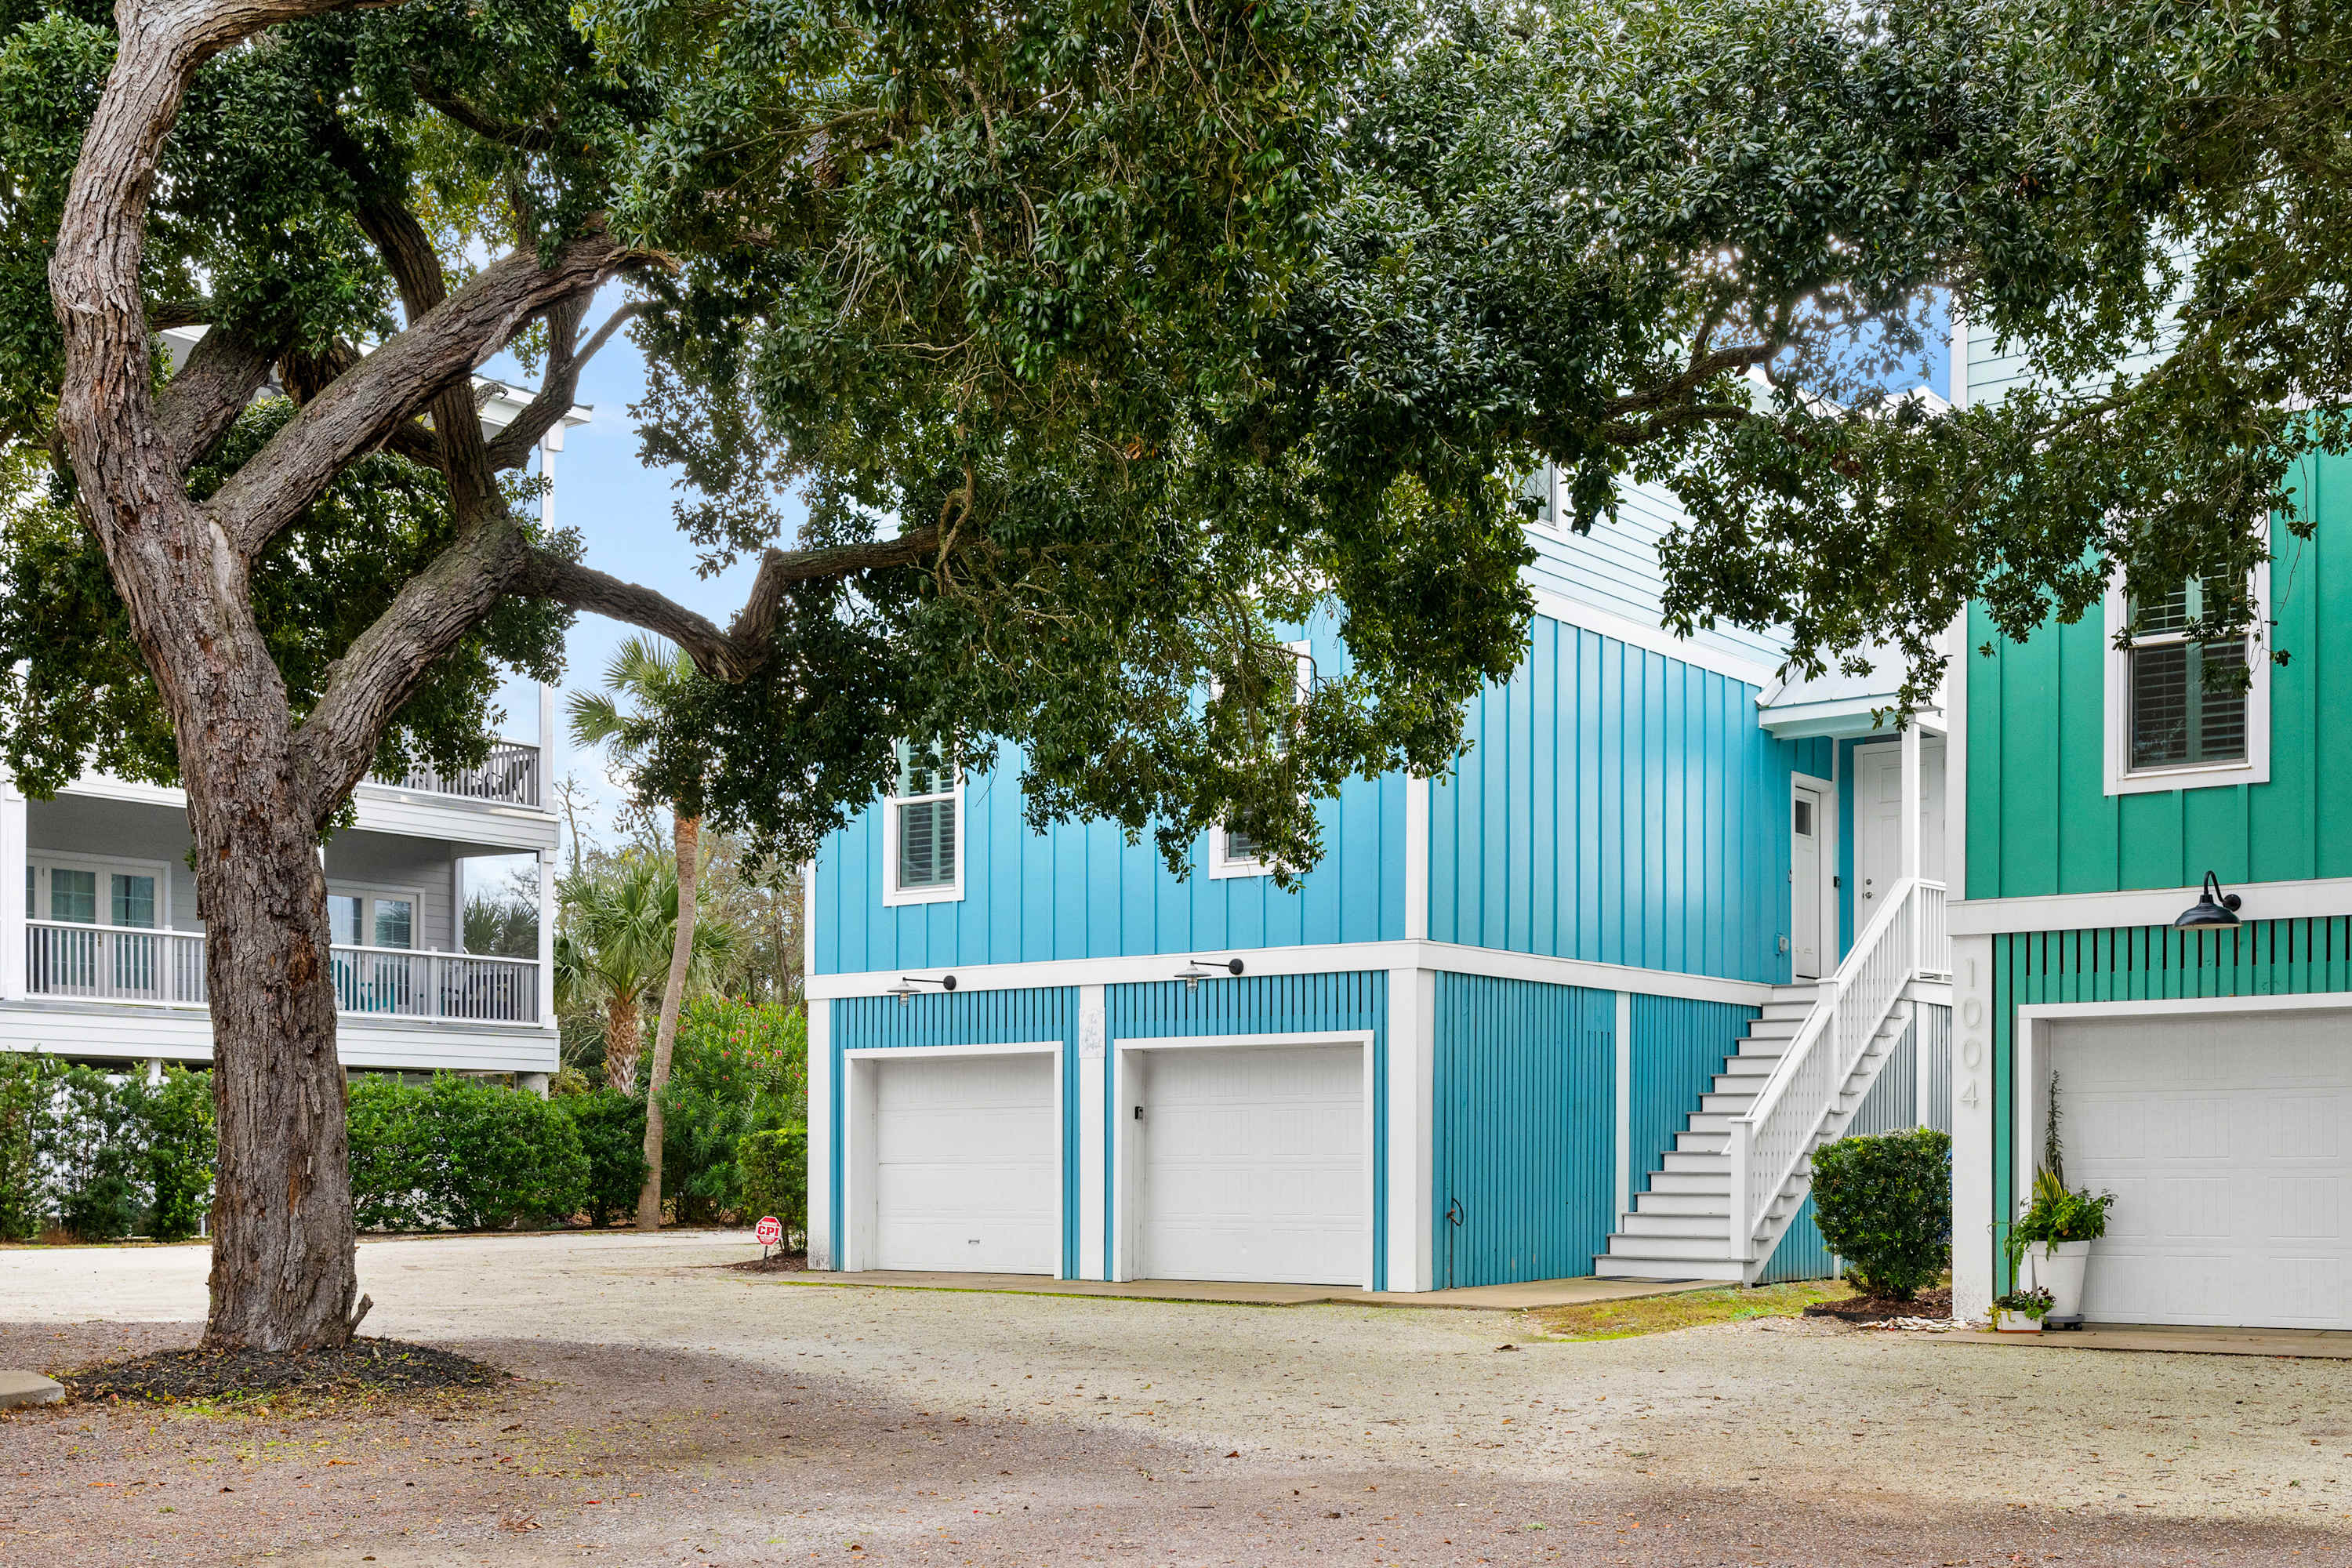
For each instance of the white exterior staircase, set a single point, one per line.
(1742, 1165)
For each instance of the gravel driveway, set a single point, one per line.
(674, 1412)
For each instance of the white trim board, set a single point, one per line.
(1319, 958)
(2315, 898)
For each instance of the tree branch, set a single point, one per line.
(198, 404)
(510, 448)
(365, 406)
(738, 651)
(489, 128)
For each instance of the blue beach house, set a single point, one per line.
(1584, 1006)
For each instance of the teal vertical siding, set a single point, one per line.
(1524, 1131)
(1261, 1004)
(967, 1018)
(1079, 890)
(1678, 1048)
(1803, 1253)
(1620, 806)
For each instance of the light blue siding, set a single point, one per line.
(1524, 1138)
(967, 1018)
(1615, 568)
(1803, 1253)
(1678, 1046)
(1619, 806)
(1081, 891)
(1261, 1004)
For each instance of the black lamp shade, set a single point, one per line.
(2212, 908)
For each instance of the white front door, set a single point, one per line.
(965, 1166)
(2227, 1140)
(1806, 943)
(1250, 1163)
(1878, 820)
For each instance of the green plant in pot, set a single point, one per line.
(2058, 1227)
(2020, 1311)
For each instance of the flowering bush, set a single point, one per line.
(738, 1068)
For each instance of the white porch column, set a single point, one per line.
(1092, 1151)
(1914, 794)
(1974, 1269)
(546, 779)
(12, 892)
(822, 1245)
(547, 939)
(1411, 1220)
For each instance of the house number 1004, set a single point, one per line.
(1972, 1012)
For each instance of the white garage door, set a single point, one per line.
(2227, 1140)
(1252, 1164)
(964, 1166)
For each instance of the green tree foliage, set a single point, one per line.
(612, 1128)
(22, 1100)
(180, 1151)
(501, 926)
(1884, 1205)
(740, 1069)
(461, 1153)
(772, 1168)
(92, 1148)
(613, 952)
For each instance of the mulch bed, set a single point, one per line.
(364, 1366)
(774, 1263)
(1879, 1309)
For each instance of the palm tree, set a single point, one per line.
(617, 943)
(658, 685)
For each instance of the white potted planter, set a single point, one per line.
(2058, 1269)
(2020, 1311)
(2005, 1321)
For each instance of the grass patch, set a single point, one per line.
(1687, 1310)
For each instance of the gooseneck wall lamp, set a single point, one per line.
(913, 986)
(2213, 908)
(1196, 970)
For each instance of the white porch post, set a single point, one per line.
(1412, 1221)
(547, 939)
(1915, 795)
(1091, 1153)
(12, 895)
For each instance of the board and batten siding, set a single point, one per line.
(1678, 1046)
(963, 1018)
(1080, 891)
(1524, 1139)
(1347, 1004)
(2138, 963)
(1618, 806)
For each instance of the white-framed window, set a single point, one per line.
(922, 829)
(86, 890)
(359, 915)
(2168, 726)
(1233, 850)
(1543, 488)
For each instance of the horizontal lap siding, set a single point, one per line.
(2040, 821)
(966, 1018)
(1524, 1139)
(1355, 1002)
(1615, 568)
(1080, 891)
(1617, 806)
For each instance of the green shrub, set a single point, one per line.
(738, 1068)
(462, 1153)
(1884, 1205)
(93, 1151)
(611, 1129)
(181, 1150)
(23, 1095)
(772, 1168)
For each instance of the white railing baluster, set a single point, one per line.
(1773, 1141)
(70, 960)
(510, 773)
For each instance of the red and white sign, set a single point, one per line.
(770, 1230)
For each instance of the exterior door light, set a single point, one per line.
(2213, 907)
(913, 986)
(1192, 973)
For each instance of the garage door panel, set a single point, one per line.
(966, 1168)
(2223, 1141)
(1251, 1164)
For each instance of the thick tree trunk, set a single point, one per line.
(284, 1269)
(686, 832)
(623, 1036)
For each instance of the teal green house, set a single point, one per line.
(2201, 1071)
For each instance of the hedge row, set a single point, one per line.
(102, 1157)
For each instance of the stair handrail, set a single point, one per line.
(1853, 1004)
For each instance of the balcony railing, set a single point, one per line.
(68, 960)
(511, 775)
